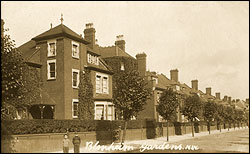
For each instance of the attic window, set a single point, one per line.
(122, 66)
(177, 88)
(156, 80)
(92, 59)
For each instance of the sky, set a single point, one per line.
(207, 41)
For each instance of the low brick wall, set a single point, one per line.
(49, 142)
(53, 142)
(171, 131)
(33, 143)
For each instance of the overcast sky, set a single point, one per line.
(208, 41)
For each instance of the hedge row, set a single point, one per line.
(40, 126)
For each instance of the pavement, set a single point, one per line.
(136, 144)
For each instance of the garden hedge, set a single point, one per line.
(40, 126)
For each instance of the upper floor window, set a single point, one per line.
(75, 49)
(158, 97)
(122, 66)
(51, 68)
(178, 88)
(98, 84)
(75, 78)
(51, 48)
(156, 79)
(92, 59)
(105, 85)
(75, 108)
(102, 84)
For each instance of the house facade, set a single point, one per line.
(59, 55)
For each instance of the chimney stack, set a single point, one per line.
(174, 74)
(120, 42)
(225, 98)
(141, 63)
(208, 91)
(217, 95)
(89, 34)
(229, 99)
(195, 84)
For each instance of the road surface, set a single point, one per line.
(227, 142)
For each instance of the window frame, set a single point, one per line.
(99, 90)
(102, 76)
(75, 101)
(48, 43)
(106, 114)
(92, 59)
(122, 66)
(106, 88)
(48, 69)
(78, 49)
(78, 78)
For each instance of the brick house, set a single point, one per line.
(59, 55)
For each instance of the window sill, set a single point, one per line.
(75, 57)
(102, 93)
(51, 79)
(75, 88)
(52, 56)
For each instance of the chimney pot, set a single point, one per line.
(120, 42)
(89, 25)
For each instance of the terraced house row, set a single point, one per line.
(60, 54)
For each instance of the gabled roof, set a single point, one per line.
(102, 67)
(26, 48)
(30, 53)
(240, 105)
(60, 30)
(186, 89)
(163, 81)
(113, 51)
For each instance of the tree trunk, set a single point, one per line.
(167, 132)
(209, 127)
(124, 132)
(220, 126)
(192, 128)
(228, 126)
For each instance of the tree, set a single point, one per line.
(20, 85)
(130, 95)
(168, 105)
(86, 101)
(191, 109)
(209, 112)
(228, 115)
(130, 91)
(240, 116)
(20, 82)
(220, 110)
